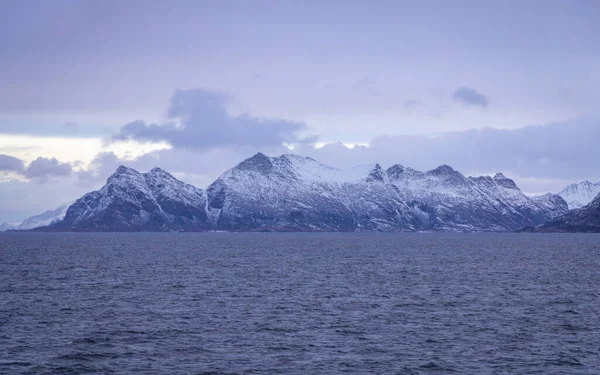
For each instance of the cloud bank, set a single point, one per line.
(40, 168)
(199, 120)
(44, 168)
(562, 151)
(11, 164)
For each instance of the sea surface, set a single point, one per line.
(222, 303)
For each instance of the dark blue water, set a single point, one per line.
(300, 303)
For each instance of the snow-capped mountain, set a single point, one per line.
(43, 219)
(296, 193)
(40, 220)
(553, 204)
(580, 194)
(300, 194)
(133, 201)
(584, 219)
(6, 226)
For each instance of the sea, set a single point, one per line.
(299, 303)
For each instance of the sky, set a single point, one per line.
(195, 87)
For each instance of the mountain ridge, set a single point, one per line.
(585, 219)
(35, 221)
(296, 193)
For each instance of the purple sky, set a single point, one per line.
(86, 85)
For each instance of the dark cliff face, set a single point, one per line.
(294, 193)
(585, 219)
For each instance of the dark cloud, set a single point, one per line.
(199, 119)
(42, 168)
(471, 97)
(11, 164)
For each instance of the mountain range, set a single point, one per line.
(293, 193)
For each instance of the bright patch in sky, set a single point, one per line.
(29, 148)
(72, 150)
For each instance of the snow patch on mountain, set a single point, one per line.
(45, 218)
(40, 220)
(580, 194)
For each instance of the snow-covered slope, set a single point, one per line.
(43, 219)
(579, 194)
(553, 204)
(296, 193)
(288, 192)
(40, 220)
(133, 201)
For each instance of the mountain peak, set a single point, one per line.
(504, 181)
(158, 170)
(376, 174)
(581, 193)
(444, 169)
(395, 171)
(123, 169)
(259, 162)
(158, 174)
(124, 172)
(259, 156)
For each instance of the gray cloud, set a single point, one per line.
(11, 164)
(203, 122)
(42, 168)
(470, 97)
(559, 151)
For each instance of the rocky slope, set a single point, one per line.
(580, 194)
(299, 194)
(133, 201)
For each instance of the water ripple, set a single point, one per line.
(299, 304)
